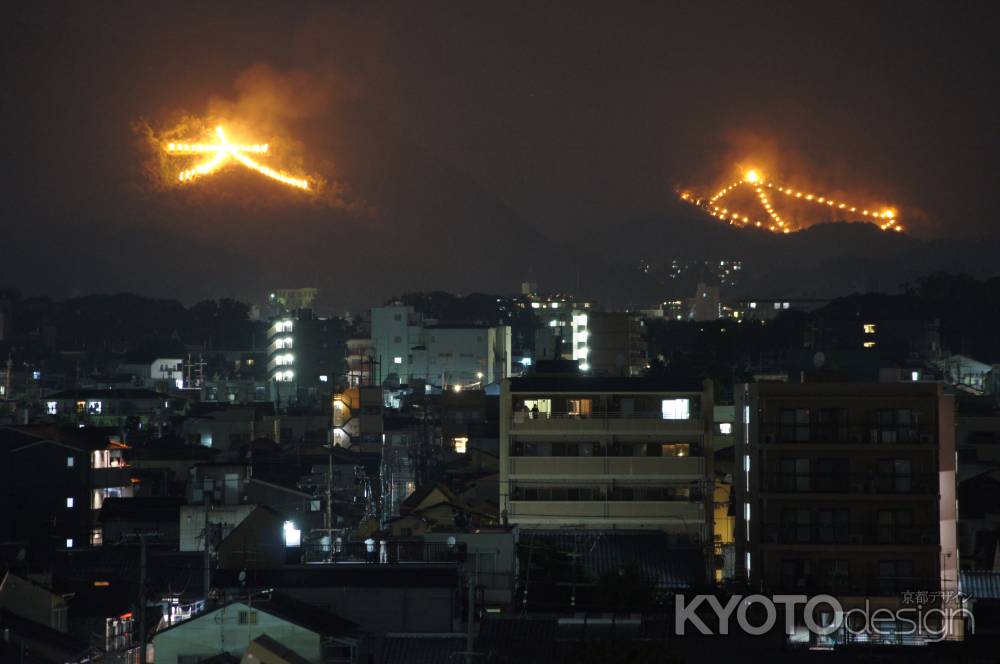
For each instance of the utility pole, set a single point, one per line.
(142, 598)
(472, 580)
(207, 581)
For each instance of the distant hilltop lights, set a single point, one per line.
(884, 218)
(222, 152)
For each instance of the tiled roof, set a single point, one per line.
(609, 551)
(524, 640)
(981, 585)
(423, 648)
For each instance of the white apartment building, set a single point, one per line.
(607, 453)
(448, 356)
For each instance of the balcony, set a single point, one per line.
(844, 586)
(851, 535)
(850, 483)
(855, 434)
(610, 467)
(637, 422)
(687, 515)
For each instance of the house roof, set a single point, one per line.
(97, 393)
(523, 640)
(424, 648)
(144, 508)
(90, 438)
(277, 650)
(421, 494)
(285, 608)
(38, 632)
(346, 575)
(609, 551)
(575, 383)
(981, 584)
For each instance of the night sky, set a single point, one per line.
(461, 133)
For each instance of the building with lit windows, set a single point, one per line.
(305, 357)
(607, 453)
(847, 489)
(617, 344)
(282, 301)
(408, 348)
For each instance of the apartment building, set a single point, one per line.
(607, 453)
(847, 489)
(408, 347)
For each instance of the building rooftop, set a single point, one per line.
(578, 383)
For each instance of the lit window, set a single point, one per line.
(460, 444)
(725, 428)
(51, 407)
(869, 344)
(324, 378)
(293, 536)
(96, 537)
(100, 459)
(777, 305)
(94, 407)
(676, 409)
(869, 328)
(914, 376)
(70, 462)
(69, 542)
(397, 360)
(535, 305)
(753, 305)
(70, 502)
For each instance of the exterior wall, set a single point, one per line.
(193, 523)
(220, 631)
(381, 609)
(169, 369)
(28, 600)
(873, 518)
(36, 510)
(616, 343)
(301, 351)
(459, 356)
(670, 493)
(395, 331)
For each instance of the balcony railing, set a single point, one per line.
(850, 483)
(866, 434)
(841, 535)
(842, 585)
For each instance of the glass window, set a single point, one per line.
(676, 409)
(794, 425)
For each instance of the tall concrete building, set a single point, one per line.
(617, 344)
(847, 489)
(607, 453)
(407, 348)
(305, 357)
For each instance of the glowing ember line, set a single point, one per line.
(885, 219)
(222, 151)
